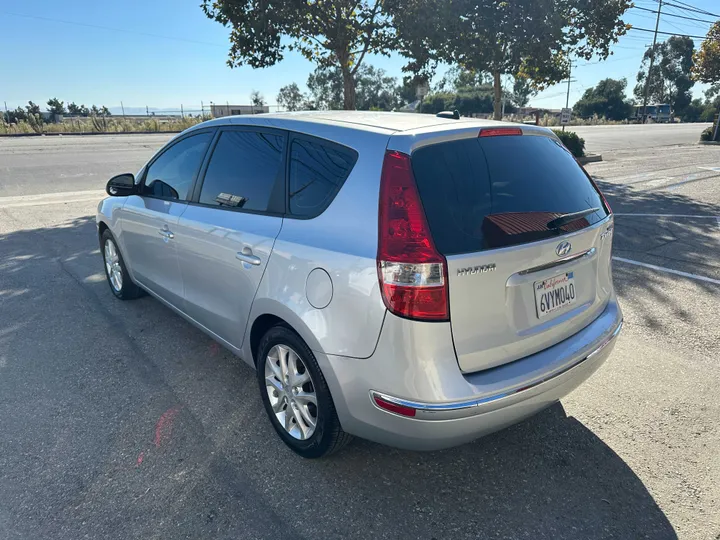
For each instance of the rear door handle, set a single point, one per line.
(246, 256)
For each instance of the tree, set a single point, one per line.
(374, 89)
(467, 91)
(522, 91)
(326, 88)
(78, 110)
(698, 111)
(407, 93)
(18, 115)
(706, 66)
(257, 99)
(671, 75)
(291, 98)
(529, 38)
(607, 99)
(32, 108)
(466, 102)
(333, 33)
(55, 106)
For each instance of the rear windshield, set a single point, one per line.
(486, 193)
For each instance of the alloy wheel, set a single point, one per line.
(112, 265)
(291, 392)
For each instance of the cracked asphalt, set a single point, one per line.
(120, 420)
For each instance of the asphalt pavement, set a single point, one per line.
(600, 139)
(120, 420)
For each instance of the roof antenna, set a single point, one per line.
(453, 115)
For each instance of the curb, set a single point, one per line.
(592, 158)
(85, 133)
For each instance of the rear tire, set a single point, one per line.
(296, 396)
(115, 271)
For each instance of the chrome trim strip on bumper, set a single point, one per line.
(468, 408)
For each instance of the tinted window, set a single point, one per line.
(172, 174)
(485, 193)
(243, 170)
(317, 171)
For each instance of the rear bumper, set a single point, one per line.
(452, 408)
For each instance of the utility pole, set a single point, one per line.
(182, 112)
(123, 108)
(7, 115)
(652, 61)
(567, 98)
(202, 110)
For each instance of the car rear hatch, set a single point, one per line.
(527, 238)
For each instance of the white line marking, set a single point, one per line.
(668, 270)
(52, 198)
(692, 216)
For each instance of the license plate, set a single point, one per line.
(554, 294)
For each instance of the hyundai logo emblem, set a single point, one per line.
(563, 248)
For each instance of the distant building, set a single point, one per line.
(231, 110)
(657, 113)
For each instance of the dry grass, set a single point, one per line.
(105, 125)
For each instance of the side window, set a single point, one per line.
(243, 170)
(171, 175)
(317, 172)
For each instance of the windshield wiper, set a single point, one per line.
(569, 218)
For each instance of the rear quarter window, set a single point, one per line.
(318, 170)
(492, 192)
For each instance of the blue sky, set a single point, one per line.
(164, 53)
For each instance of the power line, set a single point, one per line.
(667, 33)
(609, 60)
(125, 31)
(674, 15)
(688, 7)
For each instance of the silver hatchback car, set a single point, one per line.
(414, 280)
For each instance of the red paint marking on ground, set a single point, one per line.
(140, 459)
(163, 428)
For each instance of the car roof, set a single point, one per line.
(381, 122)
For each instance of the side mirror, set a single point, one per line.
(121, 185)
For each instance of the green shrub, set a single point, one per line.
(707, 134)
(572, 142)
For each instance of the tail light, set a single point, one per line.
(411, 271)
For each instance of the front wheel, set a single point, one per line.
(296, 396)
(115, 271)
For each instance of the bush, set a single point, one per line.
(707, 134)
(572, 142)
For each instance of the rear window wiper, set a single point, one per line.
(569, 218)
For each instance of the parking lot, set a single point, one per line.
(120, 420)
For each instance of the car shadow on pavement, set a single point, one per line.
(547, 477)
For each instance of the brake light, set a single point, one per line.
(499, 132)
(411, 271)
